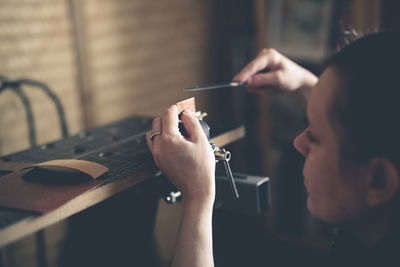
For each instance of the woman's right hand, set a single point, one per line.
(272, 70)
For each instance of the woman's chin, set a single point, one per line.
(317, 212)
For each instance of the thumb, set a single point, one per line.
(192, 126)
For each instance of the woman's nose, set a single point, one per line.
(301, 144)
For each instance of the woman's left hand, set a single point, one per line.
(189, 163)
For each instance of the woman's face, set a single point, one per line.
(336, 194)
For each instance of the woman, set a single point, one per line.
(351, 149)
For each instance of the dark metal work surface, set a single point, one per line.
(127, 133)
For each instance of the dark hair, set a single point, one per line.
(367, 104)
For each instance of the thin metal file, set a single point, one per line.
(215, 86)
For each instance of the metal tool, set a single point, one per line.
(222, 155)
(215, 86)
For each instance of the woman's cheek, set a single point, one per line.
(307, 170)
(311, 178)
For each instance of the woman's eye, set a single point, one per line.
(310, 137)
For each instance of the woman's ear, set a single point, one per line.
(384, 182)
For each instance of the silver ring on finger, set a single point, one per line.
(152, 135)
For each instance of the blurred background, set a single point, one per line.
(111, 59)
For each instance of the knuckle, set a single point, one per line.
(165, 112)
(264, 51)
(272, 54)
(168, 110)
(276, 57)
(272, 51)
(268, 51)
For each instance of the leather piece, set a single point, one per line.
(92, 169)
(187, 104)
(16, 192)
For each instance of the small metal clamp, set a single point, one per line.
(173, 197)
(223, 155)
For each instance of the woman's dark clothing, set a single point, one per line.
(346, 250)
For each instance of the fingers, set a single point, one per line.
(151, 142)
(261, 90)
(266, 80)
(168, 125)
(267, 58)
(156, 125)
(192, 126)
(170, 120)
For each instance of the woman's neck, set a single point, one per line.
(372, 228)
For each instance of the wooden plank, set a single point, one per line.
(229, 137)
(86, 200)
